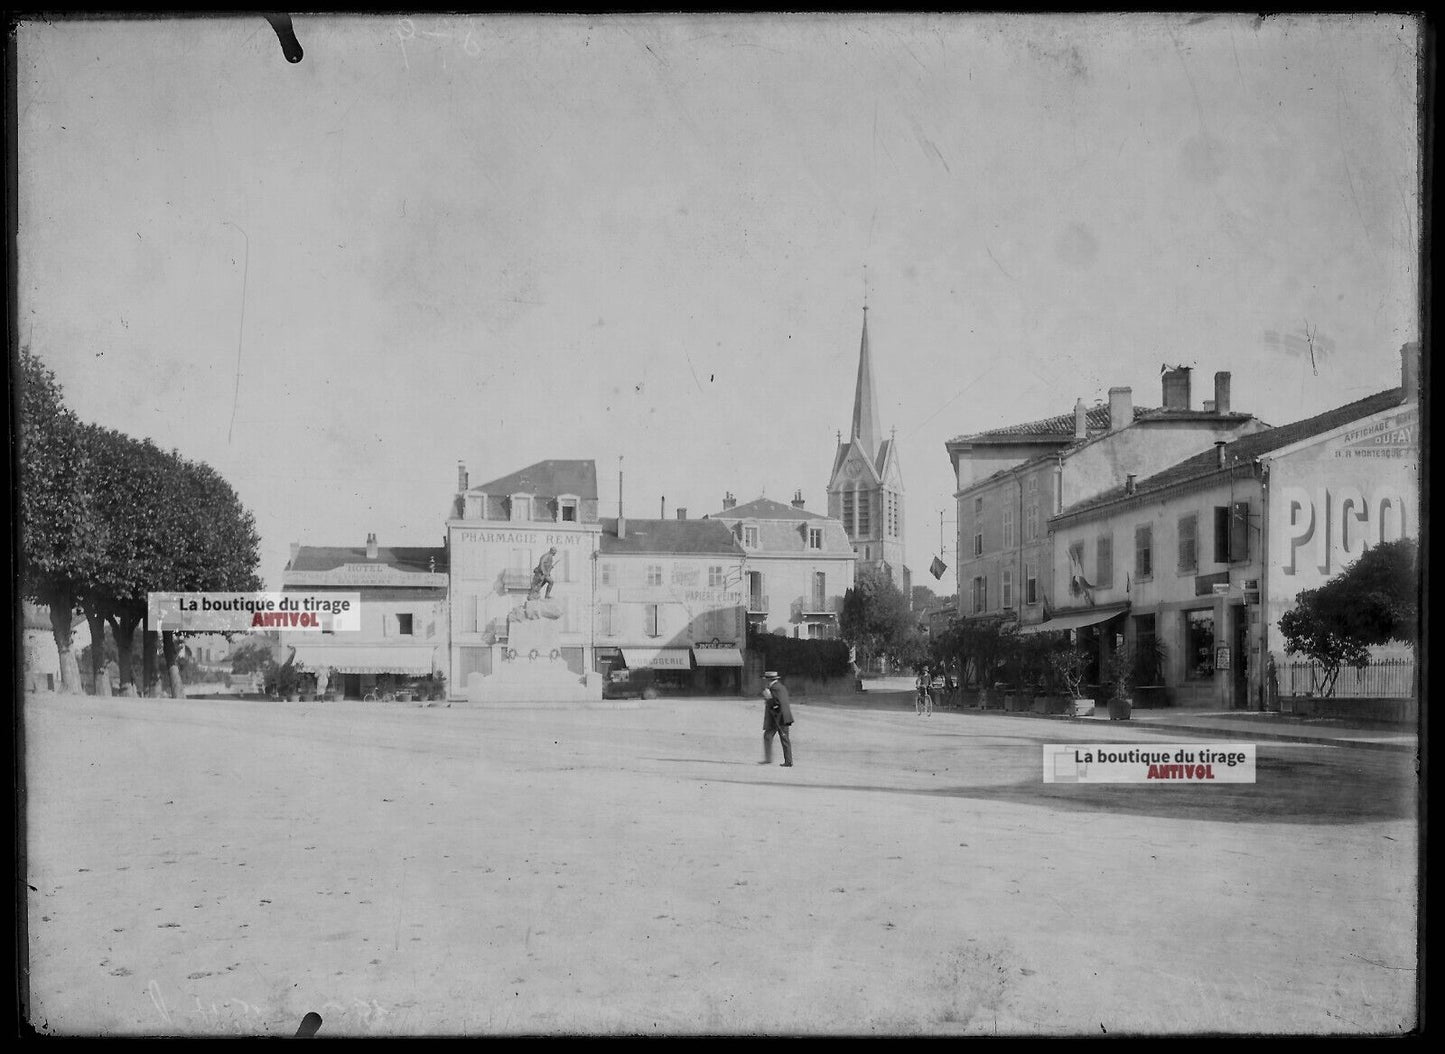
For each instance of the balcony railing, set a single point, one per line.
(757, 602)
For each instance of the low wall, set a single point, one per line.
(802, 687)
(1386, 711)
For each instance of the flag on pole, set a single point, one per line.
(937, 568)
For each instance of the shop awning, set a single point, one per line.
(657, 658)
(718, 656)
(413, 660)
(1073, 620)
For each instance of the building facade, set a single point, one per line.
(1012, 480)
(865, 490)
(1197, 563)
(670, 600)
(797, 566)
(497, 533)
(404, 617)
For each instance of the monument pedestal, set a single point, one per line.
(532, 669)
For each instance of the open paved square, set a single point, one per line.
(225, 867)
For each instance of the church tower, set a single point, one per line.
(865, 491)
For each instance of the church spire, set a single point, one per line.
(865, 410)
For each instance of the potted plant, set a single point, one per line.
(284, 683)
(1121, 684)
(1070, 665)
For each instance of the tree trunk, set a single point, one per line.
(99, 674)
(122, 627)
(173, 666)
(62, 611)
(149, 676)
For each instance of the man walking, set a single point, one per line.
(777, 716)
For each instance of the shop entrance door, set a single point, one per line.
(1240, 672)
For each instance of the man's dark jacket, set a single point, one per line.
(777, 706)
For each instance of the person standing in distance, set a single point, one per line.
(777, 716)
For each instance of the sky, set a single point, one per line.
(647, 241)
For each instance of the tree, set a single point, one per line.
(166, 524)
(219, 547)
(876, 616)
(57, 532)
(1374, 601)
(980, 647)
(255, 656)
(923, 599)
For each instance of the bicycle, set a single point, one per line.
(373, 697)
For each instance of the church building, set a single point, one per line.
(865, 491)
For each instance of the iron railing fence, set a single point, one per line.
(1383, 679)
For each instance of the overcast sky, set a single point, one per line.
(504, 239)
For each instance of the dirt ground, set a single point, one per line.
(226, 867)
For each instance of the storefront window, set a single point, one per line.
(1199, 645)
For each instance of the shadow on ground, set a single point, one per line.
(1286, 791)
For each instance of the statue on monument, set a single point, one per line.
(542, 575)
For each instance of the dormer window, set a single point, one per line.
(567, 505)
(815, 537)
(476, 503)
(521, 507)
(750, 536)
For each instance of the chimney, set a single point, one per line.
(798, 498)
(1121, 408)
(729, 501)
(461, 476)
(662, 508)
(1129, 483)
(371, 546)
(621, 519)
(1176, 388)
(1219, 451)
(1221, 392)
(1410, 371)
(682, 513)
(295, 548)
(1081, 420)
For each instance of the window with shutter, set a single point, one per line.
(1221, 534)
(1189, 542)
(1144, 551)
(1239, 532)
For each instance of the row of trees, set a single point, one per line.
(106, 519)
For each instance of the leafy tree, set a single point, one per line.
(876, 616)
(134, 494)
(166, 524)
(1373, 601)
(254, 656)
(981, 648)
(922, 598)
(219, 547)
(57, 551)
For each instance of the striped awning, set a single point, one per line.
(717, 656)
(413, 660)
(657, 658)
(1073, 620)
